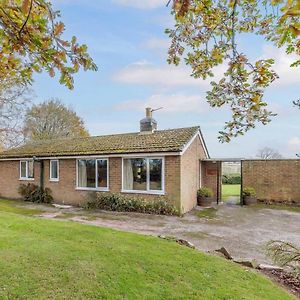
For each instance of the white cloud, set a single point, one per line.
(295, 142)
(145, 73)
(288, 75)
(171, 103)
(141, 4)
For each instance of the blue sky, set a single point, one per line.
(126, 40)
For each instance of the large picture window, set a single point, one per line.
(92, 174)
(27, 169)
(143, 175)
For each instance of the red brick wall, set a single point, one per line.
(190, 175)
(64, 191)
(209, 174)
(274, 180)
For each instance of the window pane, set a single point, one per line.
(102, 173)
(135, 174)
(30, 165)
(23, 169)
(54, 169)
(155, 166)
(87, 173)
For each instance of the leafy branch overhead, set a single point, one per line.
(31, 40)
(206, 34)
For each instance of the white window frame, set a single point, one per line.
(100, 189)
(20, 167)
(147, 191)
(50, 170)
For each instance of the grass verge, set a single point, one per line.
(47, 259)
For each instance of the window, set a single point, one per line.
(27, 169)
(92, 174)
(54, 170)
(143, 175)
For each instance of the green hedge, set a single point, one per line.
(231, 179)
(127, 203)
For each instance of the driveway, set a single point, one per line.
(243, 231)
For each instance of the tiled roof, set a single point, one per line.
(171, 140)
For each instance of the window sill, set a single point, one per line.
(53, 180)
(26, 179)
(161, 193)
(91, 189)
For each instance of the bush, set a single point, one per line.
(285, 254)
(205, 192)
(249, 191)
(33, 193)
(125, 203)
(231, 179)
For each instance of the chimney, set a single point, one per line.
(148, 124)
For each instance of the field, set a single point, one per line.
(230, 190)
(58, 259)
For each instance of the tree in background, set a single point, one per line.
(206, 34)
(31, 41)
(13, 103)
(268, 153)
(51, 120)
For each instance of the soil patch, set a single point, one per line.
(286, 279)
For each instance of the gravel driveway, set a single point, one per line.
(243, 231)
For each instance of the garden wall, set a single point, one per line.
(275, 181)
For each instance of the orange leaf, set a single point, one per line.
(26, 6)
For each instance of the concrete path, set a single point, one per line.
(243, 231)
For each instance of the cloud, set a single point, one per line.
(295, 142)
(141, 4)
(287, 75)
(145, 73)
(175, 103)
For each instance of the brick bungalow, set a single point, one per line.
(149, 163)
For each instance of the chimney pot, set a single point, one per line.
(148, 124)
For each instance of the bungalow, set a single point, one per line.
(149, 163)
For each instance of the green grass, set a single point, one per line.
(278, 206)
(17, 207)
(51, 259)
(230, 190)
(208, 213)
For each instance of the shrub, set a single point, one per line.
(231, 179)
(33, 193)
(125, 203)
(285, 254)
(205, 192)
(249, 191)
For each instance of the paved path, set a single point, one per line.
(243, 231)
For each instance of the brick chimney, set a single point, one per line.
(148, 124)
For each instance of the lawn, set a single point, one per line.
(230, 190)
(58, 259)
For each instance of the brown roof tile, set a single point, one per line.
(171, 140)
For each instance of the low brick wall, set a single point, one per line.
(275, 181)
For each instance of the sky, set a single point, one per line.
(126, 39)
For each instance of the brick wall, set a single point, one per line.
(190, 175)
(209, 175)
(274, 180)
(64, 191)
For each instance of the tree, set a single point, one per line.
(268, 153)
(206, 34)
(13, 103)
(31, 40)
(51, 120)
